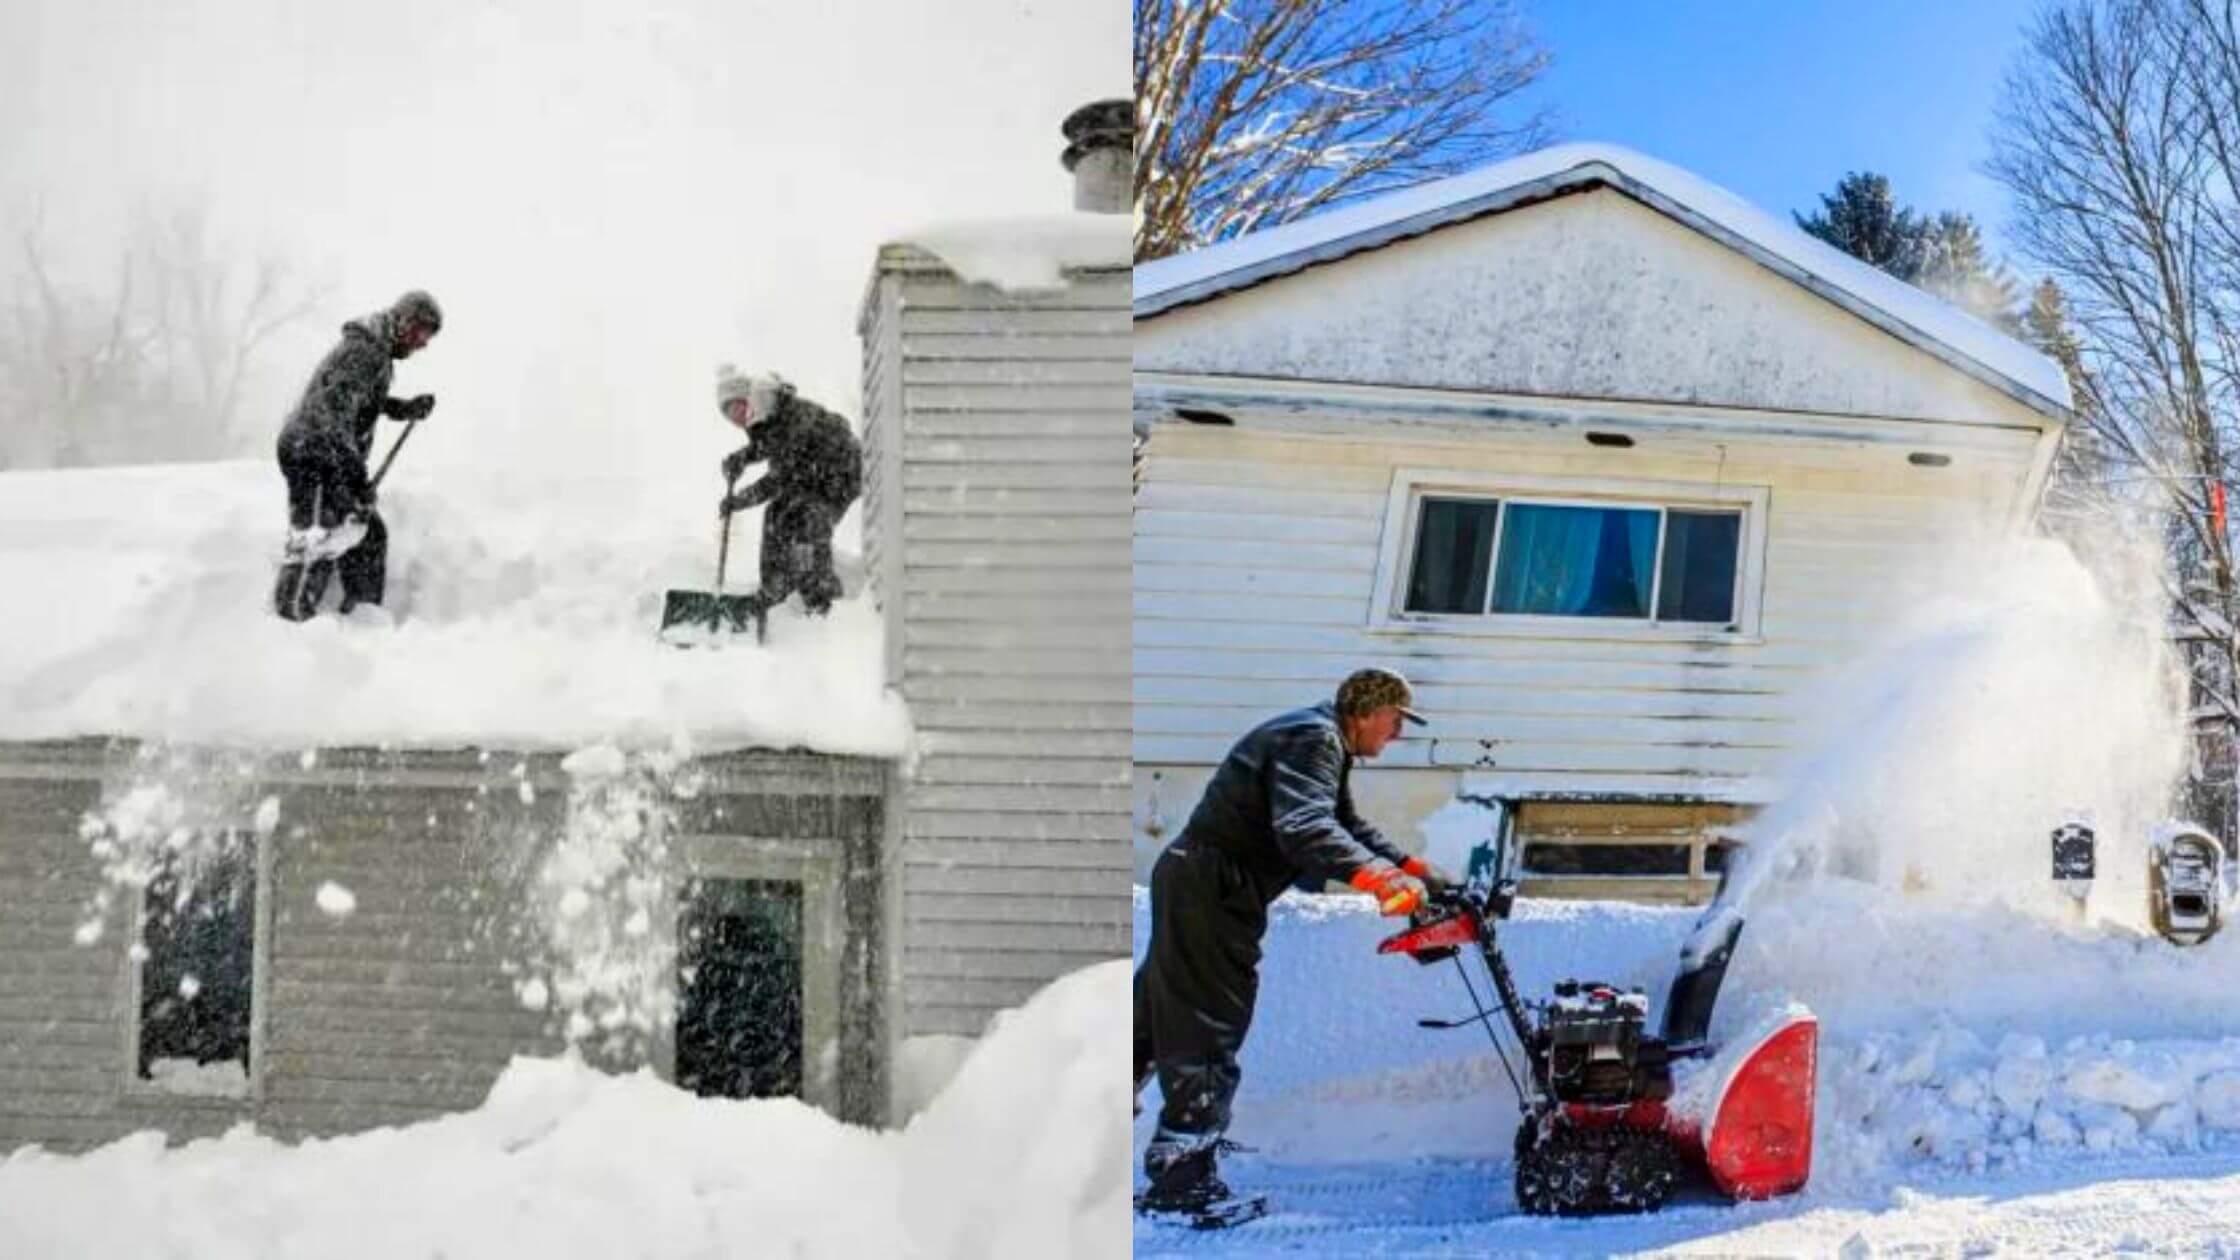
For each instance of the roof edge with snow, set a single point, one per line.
(1914, 316)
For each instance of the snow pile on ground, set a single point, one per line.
(1021, 1157)
(1953, 1042)
(1025, 1153)
(1027, 253)
(518, 615)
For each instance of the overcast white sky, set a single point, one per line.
(607, 197)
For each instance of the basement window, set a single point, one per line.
(194, 958)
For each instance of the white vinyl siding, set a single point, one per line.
(1265, 564)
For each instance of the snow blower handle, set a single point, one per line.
(1396, 891)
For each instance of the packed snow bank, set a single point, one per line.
(1025, 1154)
(1951, 1039)
(518, 615)
(1021, 1157)
(1027, 253)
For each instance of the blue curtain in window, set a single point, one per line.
(1576, 561)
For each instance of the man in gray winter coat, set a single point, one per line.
(816, 471)
(323, 449)
(1278, 810)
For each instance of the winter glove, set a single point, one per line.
(734, 464)
(1396, 891)
(743, 499)
(1434, 878)
(416, 408)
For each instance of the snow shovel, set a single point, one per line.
(689, 617)
(301, 583)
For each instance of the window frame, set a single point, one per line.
(139, 1090)
(1403, 515)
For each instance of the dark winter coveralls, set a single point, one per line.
(323, 449)
(816, 471)
(1278, 810)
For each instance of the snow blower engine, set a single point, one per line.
(1604, 1127)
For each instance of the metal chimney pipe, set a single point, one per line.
(1100, 151)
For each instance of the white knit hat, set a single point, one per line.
(762, 391)
(731, 386)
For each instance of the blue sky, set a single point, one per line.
(1777, 100)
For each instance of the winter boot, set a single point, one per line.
(1185, 1185)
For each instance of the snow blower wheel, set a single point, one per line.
(1579, 1170)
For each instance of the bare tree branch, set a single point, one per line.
(1251, 113)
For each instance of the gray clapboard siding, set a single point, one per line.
(402, 1009)
(1005, 587)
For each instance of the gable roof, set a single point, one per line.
(1921, 319)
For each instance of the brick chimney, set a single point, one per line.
(1100, 151)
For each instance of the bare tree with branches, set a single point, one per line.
(153, 366)
(1251, 113)
(2105, 140)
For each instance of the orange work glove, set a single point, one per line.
(1396, 891)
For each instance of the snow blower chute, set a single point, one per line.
(1604, 1128)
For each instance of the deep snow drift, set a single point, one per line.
(1023, 1155)
(519, 615)
(1980, 1046)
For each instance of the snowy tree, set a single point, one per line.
(2112, 138)
(1942, 253)
(1251, 113)
(150, 365)
(1863, 220)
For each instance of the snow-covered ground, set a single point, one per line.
(520, 614)
(1980, 1071)
(1022, 1155)
(2000, 1067)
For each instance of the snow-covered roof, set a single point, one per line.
(522, 613)
(1919, 318)
(1026, 253)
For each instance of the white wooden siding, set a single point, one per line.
(1005, 583)
(1257, 556)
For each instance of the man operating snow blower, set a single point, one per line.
(816, 471)
(323, 449)
(1278, 811)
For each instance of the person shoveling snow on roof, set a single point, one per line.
(816, 471)
(323, 450)
(1279, 809)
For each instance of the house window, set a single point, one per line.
(196, 958)
(739, 1018)
(1647, 562)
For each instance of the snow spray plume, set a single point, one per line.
(179, 814)
(604, 962)
(2016, 690)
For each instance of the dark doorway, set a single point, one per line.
(739, 988)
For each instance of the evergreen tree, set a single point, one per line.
(1952, 264)
(1940, 253)
(1863, 220)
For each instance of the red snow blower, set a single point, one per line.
(1611, 1116)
